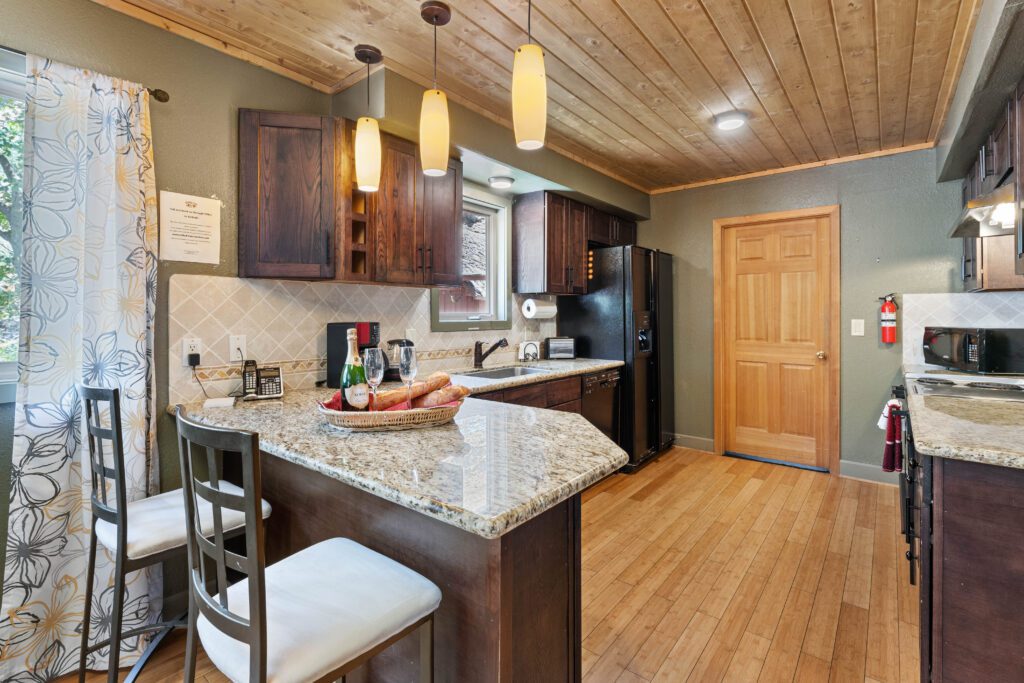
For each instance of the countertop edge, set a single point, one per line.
(525, 380)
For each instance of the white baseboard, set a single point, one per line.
(698, 443)
(860, 470)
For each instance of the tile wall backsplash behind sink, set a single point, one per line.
(284, 324)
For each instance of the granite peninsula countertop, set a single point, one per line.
(496, 467)
(990, 432)
(553, 369)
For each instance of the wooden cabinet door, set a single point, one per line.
(556, 230)
(576, 247)
(442, 227)
(623, 231)
(1002, 149)
(970, 265)
(599, 228)
(285, 195)
(1018, 144)
(397, 209)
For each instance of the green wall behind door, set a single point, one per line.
(894, 219)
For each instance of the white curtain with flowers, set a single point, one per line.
(88, 297)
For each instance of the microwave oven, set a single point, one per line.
(995, 351)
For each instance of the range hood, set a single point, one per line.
(990, 215)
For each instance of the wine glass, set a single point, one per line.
(373, 364)
(407, 368)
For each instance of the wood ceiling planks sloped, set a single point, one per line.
(634, 85)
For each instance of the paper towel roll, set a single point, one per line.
(539, 309)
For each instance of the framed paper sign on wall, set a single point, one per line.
(189, 228)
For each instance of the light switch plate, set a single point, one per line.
(857, 327)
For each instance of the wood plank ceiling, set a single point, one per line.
(633, 85)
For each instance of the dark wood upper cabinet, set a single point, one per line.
(395, 211)
(576, 247)
(1018, 145)
(286, 195)
(416, 220)
(551, 236)
(442, 227)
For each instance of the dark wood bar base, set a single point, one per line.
(510, 609)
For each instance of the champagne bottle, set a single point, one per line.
(355, 392)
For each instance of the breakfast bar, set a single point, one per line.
(486, 507)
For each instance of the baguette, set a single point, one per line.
(393, 397)
(445, 395)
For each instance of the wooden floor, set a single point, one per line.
(703, 568)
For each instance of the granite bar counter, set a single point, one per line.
(486, 507)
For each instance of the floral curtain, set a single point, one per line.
(88, 278)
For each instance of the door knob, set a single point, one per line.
(821, 355)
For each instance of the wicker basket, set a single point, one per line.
(389, 420)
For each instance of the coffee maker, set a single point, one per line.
(368, 336)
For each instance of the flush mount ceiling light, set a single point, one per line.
(529, 91)
(500, 182)
(731, 120)
(367, 151)
(434, 127)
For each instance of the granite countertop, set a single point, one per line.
(554, 369)
(494, 468)
(990, 432)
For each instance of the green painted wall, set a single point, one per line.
(894, 219)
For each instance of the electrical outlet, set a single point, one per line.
(236, 348)
(856, 327)
(190, 345)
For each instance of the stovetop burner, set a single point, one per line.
(935, 381)
(995, 386)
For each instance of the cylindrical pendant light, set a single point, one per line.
(367, 146)
(529, 92)
(434, 127)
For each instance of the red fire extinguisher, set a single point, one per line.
(887, 318)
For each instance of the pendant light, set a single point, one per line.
(529, 91)
(367, 150)
(434, 127)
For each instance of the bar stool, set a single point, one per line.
(138, 534)
(313, 616)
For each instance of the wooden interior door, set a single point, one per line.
(776, 326)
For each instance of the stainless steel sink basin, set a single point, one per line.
(504, 373)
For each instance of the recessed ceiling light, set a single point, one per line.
(500, 182)
(731, 120)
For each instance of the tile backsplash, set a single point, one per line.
(284, 323)
(978, 309)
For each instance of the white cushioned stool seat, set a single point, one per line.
(157, 523)
(326, 605)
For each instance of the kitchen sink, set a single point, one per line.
(504, 373)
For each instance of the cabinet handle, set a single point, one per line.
(419, 250)
(430, 258)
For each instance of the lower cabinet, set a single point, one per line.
(557, 394)
(966, 541)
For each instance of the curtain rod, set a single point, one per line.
(158, 94)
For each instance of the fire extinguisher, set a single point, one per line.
(887, 318)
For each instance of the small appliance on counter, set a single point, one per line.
(529, 350)
(559, 348)
(368, 335)
(984, 351)
(392, 359)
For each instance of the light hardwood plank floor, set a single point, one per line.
(704, 568)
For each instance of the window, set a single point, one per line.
(481, 301)
(12, 133)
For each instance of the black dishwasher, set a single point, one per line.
(601, 401)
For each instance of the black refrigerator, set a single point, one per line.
(627, 316)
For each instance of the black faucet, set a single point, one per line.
(479, 355)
